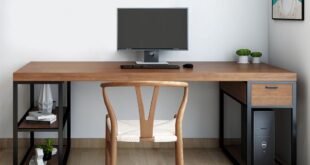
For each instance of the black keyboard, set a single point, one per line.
(149, 66)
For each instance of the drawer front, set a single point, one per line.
(272, 94)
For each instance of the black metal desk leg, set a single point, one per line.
(32, 106)
(32, 95)
(294, 126)
(68, 121)
(249, 125)
(60, 123)
(15, 123)
(69, 114)
(221, 101)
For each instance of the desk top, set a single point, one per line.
(110, 71)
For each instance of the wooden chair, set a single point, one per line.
(144, 129)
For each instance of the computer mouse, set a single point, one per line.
(188, 66)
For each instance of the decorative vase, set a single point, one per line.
(256, 60)
(243, 59)
(37, 159)
(45, 101)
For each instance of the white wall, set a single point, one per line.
(289, 48)
(78, 30)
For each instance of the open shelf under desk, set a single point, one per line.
(52, 161)
(26, 126)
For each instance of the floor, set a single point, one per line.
(137, 157)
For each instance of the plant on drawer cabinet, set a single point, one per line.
(256, 57)
(243, 55)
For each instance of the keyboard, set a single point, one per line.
(150, 66)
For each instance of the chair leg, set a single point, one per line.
(179, 159)
(108, 154)
(113, 151)
(107, 147)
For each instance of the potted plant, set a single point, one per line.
(243, 55)
(47, 149)
(256, 57)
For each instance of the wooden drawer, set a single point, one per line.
(272, 94)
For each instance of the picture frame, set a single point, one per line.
(288, 10)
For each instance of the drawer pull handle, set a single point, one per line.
(271, 87)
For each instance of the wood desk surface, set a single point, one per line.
(110, 71)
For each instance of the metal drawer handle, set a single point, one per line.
(271, 87)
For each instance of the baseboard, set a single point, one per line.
(100, 143)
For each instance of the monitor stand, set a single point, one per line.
(151, 57)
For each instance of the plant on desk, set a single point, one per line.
(256, 57)
(243, 55)
(47, 149)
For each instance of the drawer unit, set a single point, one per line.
(272, 94)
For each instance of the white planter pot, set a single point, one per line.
(243, 60)
(256, 60)
(45, 101)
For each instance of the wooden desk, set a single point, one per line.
(252, 85)
(110, 71)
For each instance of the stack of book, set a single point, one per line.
(40, 117)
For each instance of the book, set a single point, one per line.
(46, 121)
(40, 115)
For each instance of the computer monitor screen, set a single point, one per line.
(152, 29)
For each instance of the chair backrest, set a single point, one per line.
(146, 125)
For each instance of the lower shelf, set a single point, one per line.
(52, 161)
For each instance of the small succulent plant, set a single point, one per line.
(47, 148)
(256, 54)
(243, 52)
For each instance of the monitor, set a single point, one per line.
(152, 30)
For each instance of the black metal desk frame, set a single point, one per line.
(66, 118)
(248, 118)
(62, 119)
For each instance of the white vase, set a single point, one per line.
(45, 101)
(243, 59)
(256, 60)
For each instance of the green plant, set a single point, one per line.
(243, 52)
(256, 54)
(47, 147)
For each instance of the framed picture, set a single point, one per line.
(288, 9)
